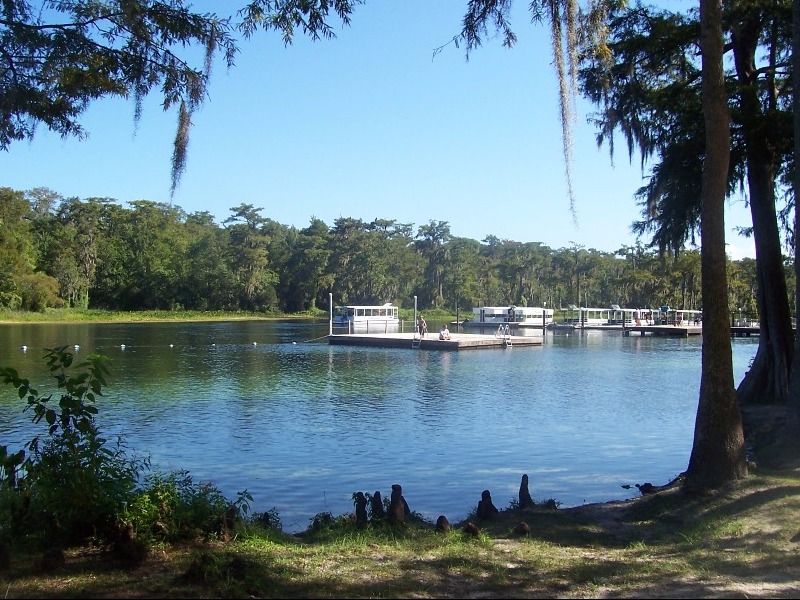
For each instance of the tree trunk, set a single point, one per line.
(718, 449)
(794, 379)
(767, 381)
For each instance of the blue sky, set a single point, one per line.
(368, 125)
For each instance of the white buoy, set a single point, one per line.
(294, 343)
(77, 347)
(172, 345)
(255, 343)
(122, 346)
(23, 348)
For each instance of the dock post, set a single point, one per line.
(330, 313)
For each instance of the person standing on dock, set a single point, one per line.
(423, 326)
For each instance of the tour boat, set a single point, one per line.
(366, 318)
(616, 317)
(513, 316)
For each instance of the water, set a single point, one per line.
(271, 408)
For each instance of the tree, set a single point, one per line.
(307, 270)
(794, 383)
(650, 91)
(718, 449)
(208, 282)
(157, 253)
(82, 220)
(431, 243)
(249, 257)
(17, 253)
(763, 122)
(55, 59)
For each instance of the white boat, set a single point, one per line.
(513, 316)
(613, 317)
(367, 318)
(617, 318)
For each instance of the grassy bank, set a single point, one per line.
(68, 315)
(57, 315)
(741, 542)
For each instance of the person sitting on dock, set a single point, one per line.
(444, 334)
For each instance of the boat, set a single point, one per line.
(369, 318)
(617, 318)
(513, 316)
(613, 317)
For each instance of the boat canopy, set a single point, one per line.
(366, 312)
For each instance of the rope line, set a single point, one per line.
(314, 339)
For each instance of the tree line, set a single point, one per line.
(95, 253)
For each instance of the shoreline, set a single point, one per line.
(72, 316)
(19, 318)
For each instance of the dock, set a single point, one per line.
(664, 330)
(412, 341)
(739, 331)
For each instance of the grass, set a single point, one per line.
(741, 541)
(72, 315)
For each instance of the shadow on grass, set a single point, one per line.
(736, 542)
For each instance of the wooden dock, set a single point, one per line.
(739, 331)
(665, 330)
(457, 341)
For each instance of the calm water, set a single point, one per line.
(270, 407)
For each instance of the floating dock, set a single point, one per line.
(457, 341)
(738, 331)
(664, 330)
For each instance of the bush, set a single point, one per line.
(72, 486)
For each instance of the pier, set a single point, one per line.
(412, 341)
(740, 331)
(664, 330)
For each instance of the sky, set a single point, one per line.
(373, 124)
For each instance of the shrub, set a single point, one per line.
(71, 485)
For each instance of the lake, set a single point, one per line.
(271, 408)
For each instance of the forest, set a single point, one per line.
(95, 253)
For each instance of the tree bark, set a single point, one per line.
(767, 381)
(718, 450)
(794, 378)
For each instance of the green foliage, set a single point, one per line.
(71, 485)
(173, 507)
(269, 518)
(60, 59)
(153, 257)
(39, 291)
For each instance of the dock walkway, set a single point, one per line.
(457, 341)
